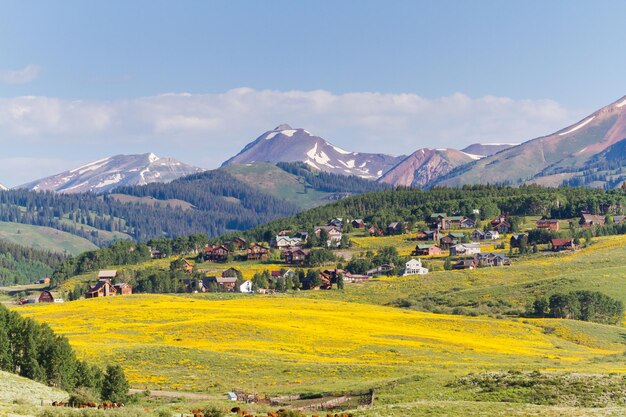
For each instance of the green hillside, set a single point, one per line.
(269, 178)
(299, 184)
(44, 238)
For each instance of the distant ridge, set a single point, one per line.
(557, 158)
(106, 174)
(424, 166)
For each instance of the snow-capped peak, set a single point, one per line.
(106, 174)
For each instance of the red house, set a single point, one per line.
(258, 252)
(563, 244)
(216, 253)
(296, 257)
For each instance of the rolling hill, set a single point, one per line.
(44, 238)
(300, 184)
(551, 159)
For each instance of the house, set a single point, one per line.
(227, 283)
(156, 253)
(502, 227)
(286, 242)
(446, 241)
(107, 274)
(257, 252)
(396, 228)
(492, 235)
(426, 250)
(348, 277)
(551, 225)
(216, 253)
(334, 238)
(588, 220)
(492, 259)
(496, 221)
(358, 224)
(239, 243)
(231, 395)
(618, 219)
(302, 235)
(516, 240)
(465, 264)
(43, 281)
(375, 231)
(230, 272)
(338, 223)
(467, 223)
(103, 288)
(433, 235)
(123, 288)
(454, 222)
(562, 244)
(381, 270)
(478, 235)
(414, 267)
(188, 266)
(46, 297)
(463, 249)
(246, 287)
(296, 257)
(438, 221)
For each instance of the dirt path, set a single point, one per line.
(174, 394)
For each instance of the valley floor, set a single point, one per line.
(315, 342)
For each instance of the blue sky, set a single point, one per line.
(80, 80)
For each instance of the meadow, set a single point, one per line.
(311, 342)
(44, 238)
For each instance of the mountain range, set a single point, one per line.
(286, 144)
(589, 152)
(106, 174)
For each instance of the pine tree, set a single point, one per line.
(115, 386)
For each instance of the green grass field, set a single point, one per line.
(44, 238)
(273, 180)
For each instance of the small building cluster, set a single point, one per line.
(105, 287)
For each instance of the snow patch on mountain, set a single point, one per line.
(106, 174)
(287, 144)
(580, 125)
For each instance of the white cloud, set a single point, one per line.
(206, 129)
(25, 75)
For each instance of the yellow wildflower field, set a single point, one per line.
(283, 343)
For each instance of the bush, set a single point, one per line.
(213, 411)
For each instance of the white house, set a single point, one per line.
(246, 287)
(492, 235)
(286, 242)
(414, 267)
(465, 249)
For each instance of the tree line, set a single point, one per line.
(328, 182)
(32, 350)
(580, 305)
(414, 205)
(22, 265)
(220, 203)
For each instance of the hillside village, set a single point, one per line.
(340, 252)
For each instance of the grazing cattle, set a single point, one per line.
(235, 410)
